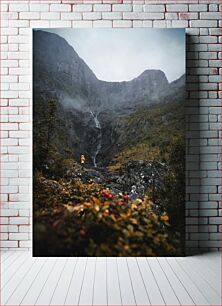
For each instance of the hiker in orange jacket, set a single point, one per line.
(82, 159)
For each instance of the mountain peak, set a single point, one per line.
(153, 74)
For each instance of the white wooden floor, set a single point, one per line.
(110, 281)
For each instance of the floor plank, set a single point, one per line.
(208, 292)
(13, 270)
(165, 287)
(5, 255)
(62, 288)
(210, 260)
(86, 294)
(126, 289)
(140, 290)
(152, 287)
(17, 279)
(22, 288)
(187, 281)
(10, 261)
(36, 287)
(75, 286)
(113, 285)
(100, 283)
(179, 289)
(47, 291)
(213, 279)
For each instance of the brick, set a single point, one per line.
(9, 142)
(18, 23)
(9, 31)
(39, 24)
(135, 15)
(180, 23)
(25, 244)
(207, 15)
(215, 220)
(208, 212)
(102, 7)
(213, 7)
(147, 23)
(162, 23)
(19, 102)
(208, 205)
(60, 24)
(154, 8)
(4, 7)
(137, 8)
(24, 212)
(8, 228)
(208, 39)
(24, 229)
(18, 7)
(19, 39)
(9, 126)
(203, 23)
(52, 15)
(60, 8)
(18, 118)
(122, 23)
(215, 63)
(187, 16)
(171, 16)
(18, 236)
(177, 8)
(215, 236)
(121, 7)
(13, 47)
(138, 23)
(92, 15)
(82, 8)
(37, 7)
(9, 244)
(200, 236)
(102, 23)
(18, 150)
(204, 31)
(112, 15)
(197, 7)
(9, 212)
(3, 220)
(82, 24)
(29, 15)
(19, 71)
(18, 55)
(216, 31)
(19, 220)
(71, 16)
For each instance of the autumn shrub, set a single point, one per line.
(85, 219)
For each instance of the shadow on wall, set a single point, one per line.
(192, 148)
(197, 199)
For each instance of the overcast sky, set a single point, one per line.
(123, 54)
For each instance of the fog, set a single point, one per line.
(123, 54)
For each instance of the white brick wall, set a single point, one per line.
(202, 21)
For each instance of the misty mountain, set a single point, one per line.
(88, 113)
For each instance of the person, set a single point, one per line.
(82, 159)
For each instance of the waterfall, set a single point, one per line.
(98, 147)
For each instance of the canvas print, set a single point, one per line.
(108, 142)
